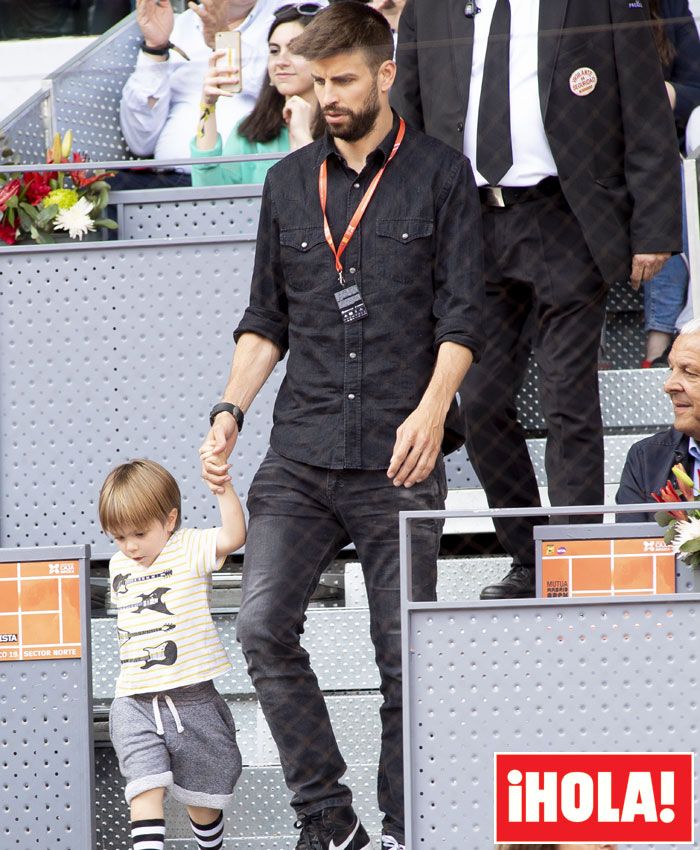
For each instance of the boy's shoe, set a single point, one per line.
(390, 843)
(335, 828)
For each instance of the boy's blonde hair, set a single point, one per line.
(136, 494)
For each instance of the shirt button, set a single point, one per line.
(404, 235)
(355, 185)
(351, 396)
(304, 244)
(352, 355)
(353, 270)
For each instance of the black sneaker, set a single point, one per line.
(335, 828)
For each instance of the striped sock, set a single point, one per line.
(209, 836)
(148, 834)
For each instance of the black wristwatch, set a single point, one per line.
(156, 51)
(226, 407)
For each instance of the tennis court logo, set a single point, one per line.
(569, 798)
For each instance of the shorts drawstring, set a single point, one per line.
(173, 712)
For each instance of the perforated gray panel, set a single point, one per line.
(234, 216)
(528, 676)
(87, 91)
(46, 768)
(25, 131)
(108, 353)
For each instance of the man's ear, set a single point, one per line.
(386, 75)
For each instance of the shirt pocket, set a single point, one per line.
(403, 247)
(307, 261)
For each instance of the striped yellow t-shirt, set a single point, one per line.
(167, 637)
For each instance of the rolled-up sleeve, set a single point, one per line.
(267, 313)
(459, 266)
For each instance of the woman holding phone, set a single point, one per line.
(285, 116)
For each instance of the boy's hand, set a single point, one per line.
(215, 450)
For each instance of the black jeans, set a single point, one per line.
(543, 292)
(300, 517)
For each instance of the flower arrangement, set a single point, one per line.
(37, 205)
(682, 526)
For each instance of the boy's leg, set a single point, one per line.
(207, 826)
(370, 509)
(293, 535)
(147, 821)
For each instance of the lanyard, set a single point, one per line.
(362, 206)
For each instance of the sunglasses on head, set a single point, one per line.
(298, 8)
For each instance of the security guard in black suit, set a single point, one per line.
(562, 109)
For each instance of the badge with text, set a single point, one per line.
(583, 81)
(352, 307)
(593, 798)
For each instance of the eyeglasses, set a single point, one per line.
(308, 9)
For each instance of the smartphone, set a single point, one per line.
(230, 41)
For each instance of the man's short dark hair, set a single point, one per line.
(344, 27)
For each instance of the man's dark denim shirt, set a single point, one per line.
(417, 260)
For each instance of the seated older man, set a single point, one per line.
(649, 462)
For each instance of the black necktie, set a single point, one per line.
(494, 152)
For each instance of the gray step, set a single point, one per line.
(260, 807)
(629, 398)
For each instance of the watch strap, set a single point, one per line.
(227, 407)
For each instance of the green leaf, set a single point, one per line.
(25, 221)
(46, 215)
(100, 185)
(691, 545)
(663, 518)
(669, 534)
(12, 202)
(30, 211)
(106, 222)
(40, 236)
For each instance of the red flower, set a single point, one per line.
(669, 494)
(80, 178)
(37, 187)
(8, 234)
(8, 191)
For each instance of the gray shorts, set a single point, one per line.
(183, 740)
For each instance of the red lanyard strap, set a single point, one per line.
(362, 206)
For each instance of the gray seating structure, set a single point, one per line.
(114, 349)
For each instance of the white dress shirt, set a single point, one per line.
(165, 129)
(532, 156)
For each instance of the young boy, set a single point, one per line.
(171, 730)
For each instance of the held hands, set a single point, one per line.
(156, 20)
(298, 115)
(644, 267)
(418, 443)
(215, 450)
(217, 77)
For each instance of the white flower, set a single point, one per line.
(75, 220)
(686, 530)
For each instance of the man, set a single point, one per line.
(380, 330)
(562, 109)
(649, 462)
(160, 102)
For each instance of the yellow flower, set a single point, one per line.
(63, 198)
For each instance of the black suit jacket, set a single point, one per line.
(615, 149)
(648, 468)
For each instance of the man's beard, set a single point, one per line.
(361, 123)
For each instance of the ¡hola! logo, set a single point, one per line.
(569, 798)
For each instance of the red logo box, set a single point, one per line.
(569, 798)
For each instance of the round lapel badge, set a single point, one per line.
(583, 81)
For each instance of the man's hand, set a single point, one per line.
(645, 266)
(215, 450)
(220, 15)
(418, 442)
(156, 20)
